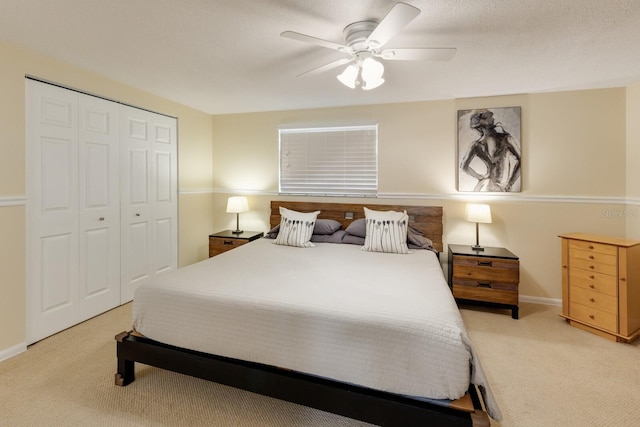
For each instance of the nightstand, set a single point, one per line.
(489, 277)
(227, 240)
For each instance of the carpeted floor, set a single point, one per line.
(543, 373)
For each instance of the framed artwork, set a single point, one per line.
(489, 152)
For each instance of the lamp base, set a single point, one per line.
(238, 231)
(477, 248)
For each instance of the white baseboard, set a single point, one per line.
(12, 351)
(540, 300)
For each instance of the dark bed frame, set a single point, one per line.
(376, 407)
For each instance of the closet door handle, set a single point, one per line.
(137, 214)
(101, 218)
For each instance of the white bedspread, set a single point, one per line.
(383, 321)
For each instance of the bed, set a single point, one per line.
(368, 335)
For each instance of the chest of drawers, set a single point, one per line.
(601, 285)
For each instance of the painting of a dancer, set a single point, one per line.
(489, 152)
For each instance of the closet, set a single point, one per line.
(101, 204)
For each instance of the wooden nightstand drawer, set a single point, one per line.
(218, 246)
(495, 292)
(227, 240)
(486, 269)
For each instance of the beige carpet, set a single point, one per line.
(543, 372)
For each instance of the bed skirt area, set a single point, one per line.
(376, 407)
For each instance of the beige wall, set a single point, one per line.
(574, 170)
(632, 212)
(195, 171)
(580, 152)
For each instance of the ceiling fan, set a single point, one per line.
(363, 44)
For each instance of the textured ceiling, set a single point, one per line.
(227, 56)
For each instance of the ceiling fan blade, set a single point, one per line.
(419, 54)
(326, 67)
(314, 40)
(399, 16)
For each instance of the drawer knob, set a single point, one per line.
(592, 317)
(592, 267)
(590, 246)
(591, 257)
(228, 242)
(592, 286)
(592, 277)
(592, 300)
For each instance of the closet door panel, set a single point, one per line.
(165, 193)
(99, 193)
(57, 275)
(134, 201)
(138, 264)
(52, 209)
(163, 259)
(149, 197)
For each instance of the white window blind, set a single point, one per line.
(329, 161)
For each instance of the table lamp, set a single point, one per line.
(236, 205)
(478, 212)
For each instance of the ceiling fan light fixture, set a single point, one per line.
(372, 83)
(349, 77)
(372, 71)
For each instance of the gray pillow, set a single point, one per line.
(326, 226)
(328, 238)
(417, 240)
(322, 227)
(350, 239)
(357, 228)
(273, 233)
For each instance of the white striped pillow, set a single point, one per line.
(296, 228)
(386, 231)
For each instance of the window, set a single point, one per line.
(335, 161)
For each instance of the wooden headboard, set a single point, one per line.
(427, 219)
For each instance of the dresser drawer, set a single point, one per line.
(594, 299)
(599, 282)
(594, 317)
(466, 290)
(596, 267)
(593, 247)
(592, 256)
(486, 270)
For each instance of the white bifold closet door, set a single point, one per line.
(76, 179)
(149, 190)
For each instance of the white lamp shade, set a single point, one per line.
(372, 71)
(478, 212)
(237, 204)
(349, 76)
